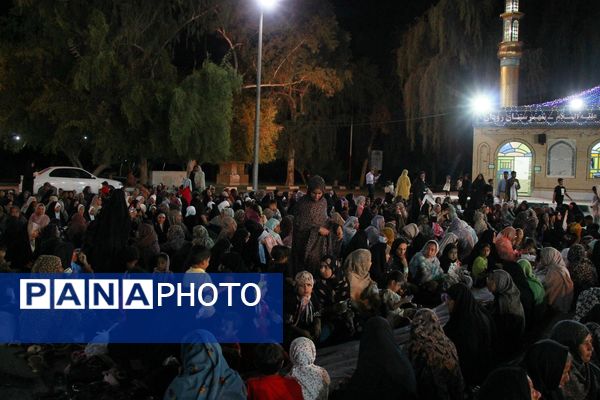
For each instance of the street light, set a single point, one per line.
(481, 104)
(264, 5)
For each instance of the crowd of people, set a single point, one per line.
(354, 268)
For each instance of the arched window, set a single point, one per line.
(512, 6)
(515, 31)
(595, 161)
(561, 158)
(507, 33)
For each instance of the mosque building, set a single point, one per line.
(541, 142)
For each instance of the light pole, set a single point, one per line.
(264, 4)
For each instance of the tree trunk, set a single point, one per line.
(74, 160)
(143, 170)
(289, 180)
(99, 169)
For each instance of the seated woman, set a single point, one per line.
(508, 383)
(434, 359)
(205, 372)
(302, 317)
(382, 370)
(313, 379)
(584, 382)
(356, 267)
(507, 313)
(472, 331)
(425, 272)
(555, 277)
(504, 244)
(332, 294)
(548, 364)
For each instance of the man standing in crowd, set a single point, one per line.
(502, 187)
(513, 187)
(371, 179)
(559, 193)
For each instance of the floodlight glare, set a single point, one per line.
(481, 104)
(267, 4)
(17, 138)
(576, 104)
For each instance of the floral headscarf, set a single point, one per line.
(205, 374)
(46, 264)
(587, 300)
(313, 379)
(349, 228)
(201, 237)
(428, 341)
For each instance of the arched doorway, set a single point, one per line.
(516, 156)
(595, 161)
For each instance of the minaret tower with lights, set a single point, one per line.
(509, 53)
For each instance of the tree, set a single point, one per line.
(201, 113)
(304, 51)
(103, 69)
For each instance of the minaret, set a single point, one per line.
(509, 53)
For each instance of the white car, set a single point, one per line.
(70, 179)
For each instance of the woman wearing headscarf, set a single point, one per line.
(309, 227)
(161, 226)
(191, 219)
(357, 266)
(398, 255)
(313, 379)
(472, 331)
(205, 373)
(584, 382)
(556, 279)
(587, 301)
(508, 313)
(202, 238)
(358, 240)
(147, 245)
(534, 284)
(350, 227)
(382, 371)
(548, 364)
(434, 359)
(467, 238)
(508, 383)
(77, 226)
(107, 237)
(504, 244)
(403, 185)
(425, 266)
(39, 217)
(582, 271)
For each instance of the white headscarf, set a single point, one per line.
(313, 379)
(191, 210)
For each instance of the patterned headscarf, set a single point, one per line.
(316, 182)
(349, 229)
(205, 373)
(313, 379)
(304, 277)
(428, 341)
(576, 254)
(47, 264)
(202, 238)
(587, 300)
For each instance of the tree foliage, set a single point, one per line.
(201, 113)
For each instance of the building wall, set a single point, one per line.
(488, 140)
